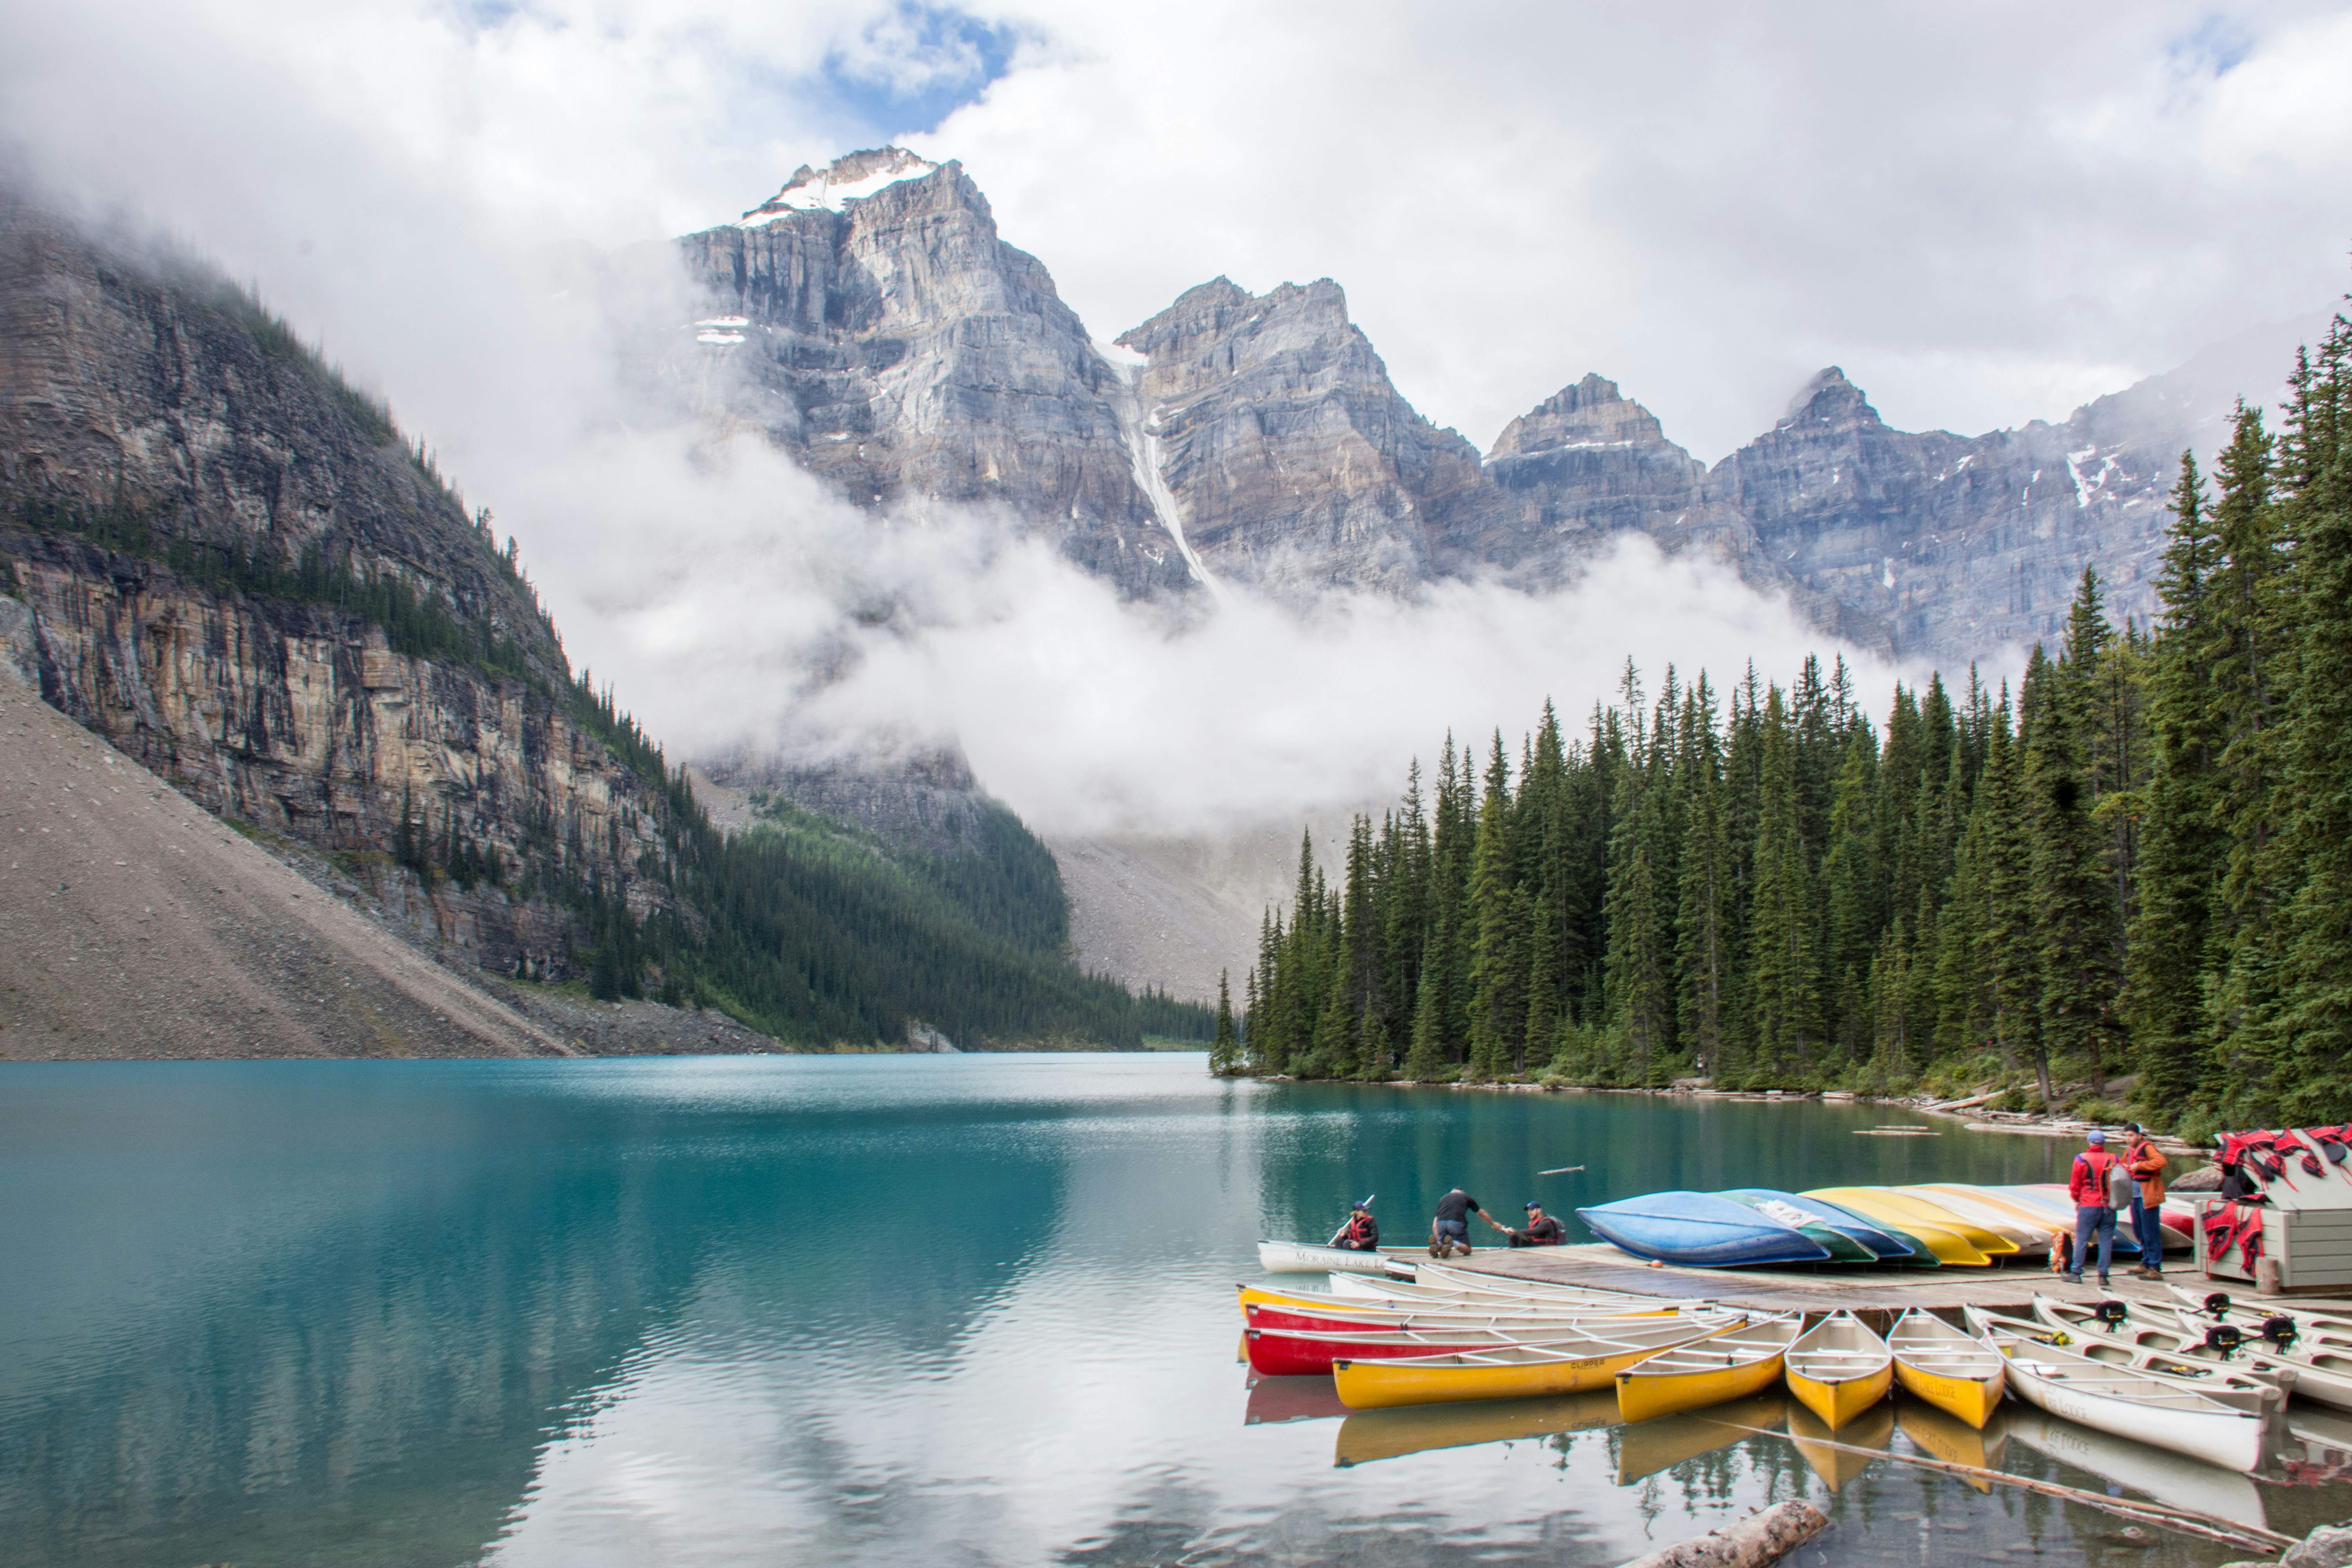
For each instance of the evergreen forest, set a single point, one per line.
(2136, 866)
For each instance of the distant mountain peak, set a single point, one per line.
(1829, 398)
(850, 178)
(1589, 412)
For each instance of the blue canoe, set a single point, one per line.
(1699, 1229)
(1882, 1242)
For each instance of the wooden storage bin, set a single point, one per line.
(2313, 1247)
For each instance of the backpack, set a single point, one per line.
(2120, 1186)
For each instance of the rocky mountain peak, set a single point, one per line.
(846, 179)
(1830, 399)
(1591, 413)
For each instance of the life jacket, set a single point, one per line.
(2286, 1142)
(2235, 1227)
(2095, 1183)
(1363, 1232)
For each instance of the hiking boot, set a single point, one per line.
(2103, 1283)
(2073, 1278)
(1434, 1252)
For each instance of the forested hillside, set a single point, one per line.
(2140, 862)
(236, 568)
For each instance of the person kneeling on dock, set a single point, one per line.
(1362, 1232)
(1449, 1233)
(1542, 1229)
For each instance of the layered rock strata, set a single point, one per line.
(150, 414)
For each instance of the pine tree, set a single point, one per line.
(1225, 1046)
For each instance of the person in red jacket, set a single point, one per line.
(2094, 1215)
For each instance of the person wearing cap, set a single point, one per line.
(2094, 1214)
(1362, 1233)
(2146, 1164)
(1542, 1229)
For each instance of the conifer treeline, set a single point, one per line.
(2141, 864)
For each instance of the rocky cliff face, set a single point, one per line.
(167, 453)
(1960, 545)
(870, 321)
(1291, 459)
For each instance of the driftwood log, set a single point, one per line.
(1759, 1539)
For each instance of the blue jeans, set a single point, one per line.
(2149, 1228)
(2089, 1221)
(1459, 1229)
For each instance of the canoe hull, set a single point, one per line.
(2231, 1439)
(1838, 1403)
(1306, 1257)
(1642, 1396)
(1972, 1399)
(1370, 1385)
(1699, 1230)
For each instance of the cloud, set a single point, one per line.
(1983, 213)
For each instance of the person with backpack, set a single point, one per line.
(2094, 1211)
(2147, 1163)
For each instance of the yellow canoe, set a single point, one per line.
(1838, 1369)
(2003, 1217)
(1510, 1371)
(1947, 1368)
(1691, 1377)
(1952, 1239)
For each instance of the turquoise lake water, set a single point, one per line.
(877, 1309)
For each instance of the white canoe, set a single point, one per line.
(1370, 1287)
(2125, 1402)
(1306, 1257)
(2310, 1328)
(2239, 1388)
(2322, 1364)
(2165, 1337)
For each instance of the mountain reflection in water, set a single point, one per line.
(922, 1311)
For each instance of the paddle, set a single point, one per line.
(1563, 1170)
(1343, 1229)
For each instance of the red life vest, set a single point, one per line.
(1363, 1232)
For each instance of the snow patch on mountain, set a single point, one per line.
(844, 180)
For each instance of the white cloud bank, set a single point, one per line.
(1984, 214)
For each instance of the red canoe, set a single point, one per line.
(1277, 1352)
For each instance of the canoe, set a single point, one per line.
(1815, 1226)
(1368, 1434)
(2323, 1365)
(1951, 1238)
(1310, 1352)
(1445, 1275)
(1550, 1325)
(2129, 1403)
(1744, 1362)
(1306, 1257)
(1369, 1291)
(2239, 1387)
(2160, 1333)
(1945, 1437)
(1514, 1372)
(1699, 1230)
(2056, 1211)
(2321, 1327)
(1949, 1368)
(1890, 1245)
(1646, 1448)
(1838, 1369)
(2020, 1222)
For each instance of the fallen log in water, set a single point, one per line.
(1759, 1539)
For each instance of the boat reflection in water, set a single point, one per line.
(2154, 1472)
(1940, 1435)
(1645, 1447)
(1368, 1434)
(1274, 1399)
(1873, 1430)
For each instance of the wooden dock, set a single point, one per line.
(1873, 1294)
